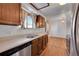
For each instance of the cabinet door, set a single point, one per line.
(46, 39)
(40, 43)
(40, 22)
(44, 42)
(0, 11)
(11, 13)
(34, 47)
(37, 22)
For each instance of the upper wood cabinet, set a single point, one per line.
(40, 21)
(0, 11)
(10, 13)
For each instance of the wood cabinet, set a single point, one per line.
(44, 42)
(10, 13)
(46, 37)
(0, 11)
(38, 45)
(40, 21)
(34, 49)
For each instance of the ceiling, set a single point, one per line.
(53, 9)
(39, 6)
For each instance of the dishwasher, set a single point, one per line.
(24, 52)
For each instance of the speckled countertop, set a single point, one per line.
(9, 42)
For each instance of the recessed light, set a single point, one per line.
(19, 26)
(62, 3)
(62, 21)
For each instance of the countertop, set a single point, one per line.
(9, 42)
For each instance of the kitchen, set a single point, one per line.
(15, 18)
(27, 29)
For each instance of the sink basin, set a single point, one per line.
(31, 36)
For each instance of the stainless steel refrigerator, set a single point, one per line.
(75, 33)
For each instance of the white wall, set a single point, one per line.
(57, 27)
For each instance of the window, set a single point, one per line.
(28, 23)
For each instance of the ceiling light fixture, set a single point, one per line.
(39, 6)
(62, 21)
(62, 3)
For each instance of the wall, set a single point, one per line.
(57, 27)
(6, 30)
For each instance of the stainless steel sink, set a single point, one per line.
(31, 36)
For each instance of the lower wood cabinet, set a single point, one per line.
(44, 42)
(38, 45)
(46, 37)
(34, 49)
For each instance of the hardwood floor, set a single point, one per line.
(55, 47)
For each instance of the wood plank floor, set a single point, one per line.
(55, 47)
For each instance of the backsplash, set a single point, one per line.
(6, 30)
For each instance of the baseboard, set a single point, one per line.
(56, 37)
